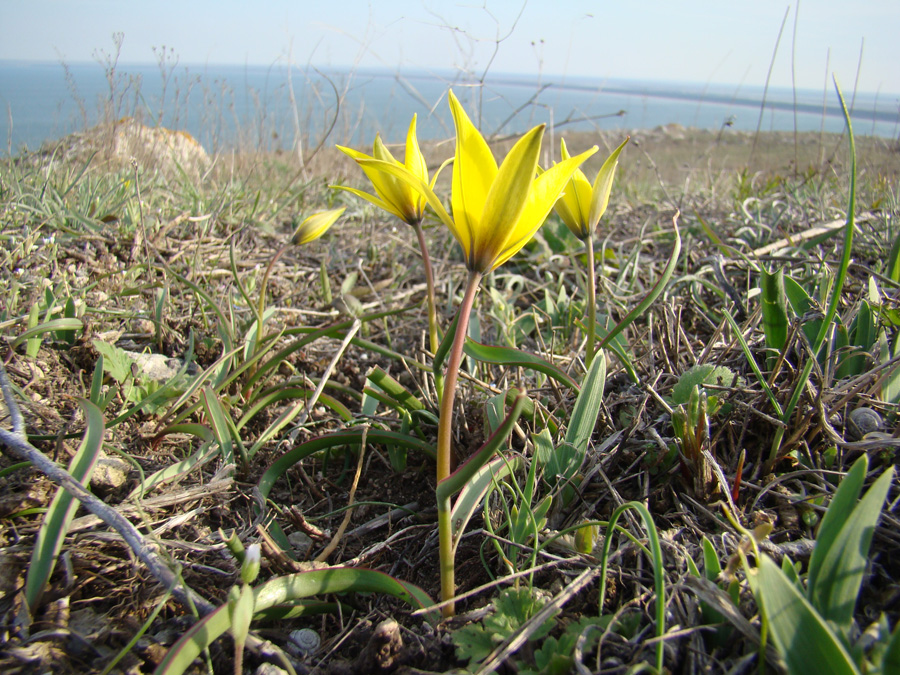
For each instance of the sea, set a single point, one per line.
(282, 107)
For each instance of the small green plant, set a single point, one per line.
(815, 625)
(512, 608)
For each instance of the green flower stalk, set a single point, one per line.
(581, 207)
(403, 200)
(496, 211)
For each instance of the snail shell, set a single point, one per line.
(862, 421)
(307, 640)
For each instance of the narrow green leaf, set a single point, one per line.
(396, 390)
(216, 416)
(803, 638)
(773, 303)
(283, 591)
(836, 516)
(62, 509)
(473, 492)
(513, 358)
(712, 568)
(893, 261)
(350, 438)
(843, 565)
(587, 405)
(204, 454)
(96, 394)
(890, 385)
(890, 659)
(618, 345)
(263, 401)
(655, 552)
(494, 408)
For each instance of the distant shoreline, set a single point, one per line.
(225, 106)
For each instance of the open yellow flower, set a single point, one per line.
(582, 205)
(394, 194)
(497, 210)
(315, 226)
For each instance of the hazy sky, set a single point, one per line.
(719, 41)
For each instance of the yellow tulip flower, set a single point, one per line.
(582, 204)
(315, 226)
(394, 195)
(496, 211)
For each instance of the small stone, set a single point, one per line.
(145, 326)
(300, 542)
(269, 669)
(110, 473)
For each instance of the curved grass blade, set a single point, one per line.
(516, 358)
(207, 451)
(350, 438)
(394, 389)
(267, 399)
(163, 391)
(62, 509)
(840, 557)
(473, 492)
(339, 580)
(837, 290)
(659, 581)
(654, 293)
(748, 355)
(219, 423)
(283, 420)
(467, 471)
(51, 326)
(617, 346)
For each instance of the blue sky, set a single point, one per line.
(723, 41)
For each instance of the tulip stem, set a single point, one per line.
(591, 301)
(434, 340)
(445, 440)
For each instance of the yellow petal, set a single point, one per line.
(396, 196)
(377, 201)
(506, 200)
(315, 226)
(541, 198)
(415, 161)
(603, 185)
(568, 216)
(474, 169)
